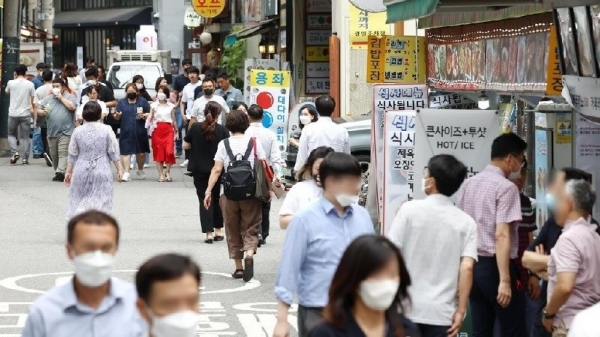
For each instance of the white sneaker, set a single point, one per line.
(141, 175)
(125, 177)
(185, 163)
(146, 165)
(131, 166)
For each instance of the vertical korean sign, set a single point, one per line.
(398, 176)
(396, 59)
(391, 97)
(542, 172)
(260, 64)
(465, 134)
(554, 83)
(270, 89)
(364, 24)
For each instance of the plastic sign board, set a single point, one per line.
(208, 8)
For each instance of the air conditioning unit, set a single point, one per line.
(134, 55)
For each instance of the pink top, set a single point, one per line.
(491, 199)
(576, 251)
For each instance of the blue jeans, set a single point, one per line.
(179, 120)
(37, 142)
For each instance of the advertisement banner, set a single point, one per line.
(375, 59)
(398, 161)
(317, 54)
(208, 9)
(542, 175)
(563, 131)
(260, 64)
(270, 89)
(584, 95)
(317, 37)
(587, 151)
(391, 97)
(465, 134)
(364, 24)
(451, 101)
(554, 84)
(402, 62)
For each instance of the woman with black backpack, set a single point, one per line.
(242, 211)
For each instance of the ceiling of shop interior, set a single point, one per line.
(486, 5)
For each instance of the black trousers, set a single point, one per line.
(308, 318)
(433, 330)
(44, 135)
(266, 223)
(484, 306)
(212, 217)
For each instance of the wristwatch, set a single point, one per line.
(548, 316)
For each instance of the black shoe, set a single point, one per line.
(15, 158)
(238, 274)
(189, 174)
(25, 162)
(248, 269)
(178, 154)
(219, 238)
(48, 159)
(59, 177)
(37, 156)
(262, 242)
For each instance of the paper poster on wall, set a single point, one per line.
(465, 134)
(542, 175)
(391, 97)
(563, 131)
(584, 95)
(398, 163)
(587, 151)
(271, 89)
(260, 64)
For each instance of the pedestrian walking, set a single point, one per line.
(38, 81)
(307, 187)
(162, 114)
(20, 111)
(60, 109)
(315, 241)
(142, 92)
(132, 112)
(308, 114)
(240, 106)
(168, 295)
(230, 94)
(71, 78)
(208, 90)
(89, 62)
(187, 102)
(203, 140)
(105, 94)
(92, 95)
(438, 241)
(492, 200)
(42, 118)
(92, 303)
(179, 82)
(92, 149)
(241, 217)
(368, 292)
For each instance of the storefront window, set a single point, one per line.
(584, 42)
(595, 18)
(569, 50)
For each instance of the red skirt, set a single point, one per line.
(163, 143)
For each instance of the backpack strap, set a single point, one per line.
(249, 149)
(228, 149)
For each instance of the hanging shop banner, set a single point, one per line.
(260, 64)
(317, 69)
(563, 131)
(451, 101)
(391, 97)
(465, 134)
(584, 95)
(317, 37)
(364, 24)
(402, 62)
(317, 54)
(507, 117)
(554, 85)
(317, 85)
(542, 175)
(587, 151)
(270, 89)
(398, 161)
(319, 21)
(208, 9)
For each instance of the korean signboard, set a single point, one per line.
(584, 95)
(396, 59)
(317, 53)
(465, 134)
(587, 151)
(317, 37)
(554, 85)
(391, 97)
(318, 6)
(398, 162)
(260, 64)
(208, 8)
(317, 85)
(318, 21)
(317, 69)
(270, 89)
(451, 101)
(364, 24)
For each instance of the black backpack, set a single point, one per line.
(239, 182)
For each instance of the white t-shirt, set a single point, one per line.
(200, 104)
(20, 92)
(433, 236)
(79, 111)
(585, 323)
(162, 113)
(238, 145)
(187, 97)
(300, 195)
(42, 92)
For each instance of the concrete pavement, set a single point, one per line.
(154, 218)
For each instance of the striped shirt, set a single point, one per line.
(526, 226)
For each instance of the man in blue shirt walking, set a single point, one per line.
(316, 240)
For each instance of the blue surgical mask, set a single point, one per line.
(550, 202)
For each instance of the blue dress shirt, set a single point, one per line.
(314, 244)
(58, 313)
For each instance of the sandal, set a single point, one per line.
(169, 178)
(238, 274)
(208, 241)
(248, 269)
(219, 238)
(161, 179)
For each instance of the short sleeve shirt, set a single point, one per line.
(238, 145)
(21, 91)
(301, 194)
(180, 82)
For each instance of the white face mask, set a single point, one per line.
(346, 200)
(56, 91)
(92, 82)
(424, 185)
(161, 96)
(378, 295)
(85, 99)
(305, 120)
(179, 324)
(139, 86)
(512, 176)
(93, 269)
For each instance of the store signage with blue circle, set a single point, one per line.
(267, 119)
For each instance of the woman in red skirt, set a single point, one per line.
(164, 133)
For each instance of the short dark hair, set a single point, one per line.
(572, 173)
(325, 105)
(223, 75)
(92, 111)
(339, 164)
(21, 70)
(237, 121)
(236, 105)
(186, 62)
(193, 70)
(212, 72)
(448, 172)
(90, 59)
(42, 66)
(525, 164)
(92, 217)
(204, 68)
(312, 111)
(47, 75)
(255, 112)
(508, 144)
(208, 79)
(161, 268)
(91, 71)
(60, 81)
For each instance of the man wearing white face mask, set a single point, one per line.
(93, 303)
(169, 296)
(315, 241)
(105, 94)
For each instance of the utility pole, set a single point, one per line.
(47, 22)
(10, 59)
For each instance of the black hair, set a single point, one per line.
(60, 81)
(92, 71)
(237, 121)
(92, 217)
(312, 111)
(572, 173)
(223, 75)
(47, 75)
(237, 105)
(92, 111)
(186, 62)
(193, 70)
(305, 172)
(365, 256)
(204, 68)
(208, 79)
(339, 164)
(42, 66)
(525, 163)
(90, 59)
(137, 78)
(448, 172)
(212, 73)
(21, 70)
(161, 268)
(508, 144)
(325, 105)
(255, 112)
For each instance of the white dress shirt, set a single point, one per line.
(323, 132)
(268, 140)
(585, 323)
(199, 105)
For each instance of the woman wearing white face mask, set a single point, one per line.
(162, 128)
(308, 114)
(92, 96)
(368, 290)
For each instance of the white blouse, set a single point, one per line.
(79, 111)
(162, 113)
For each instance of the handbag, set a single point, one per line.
(264, 176)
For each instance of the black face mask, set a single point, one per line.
(208, 92)
(131, 95)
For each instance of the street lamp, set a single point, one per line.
(484, 101)
(205, 38)
(271, 48)
(262, 46)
